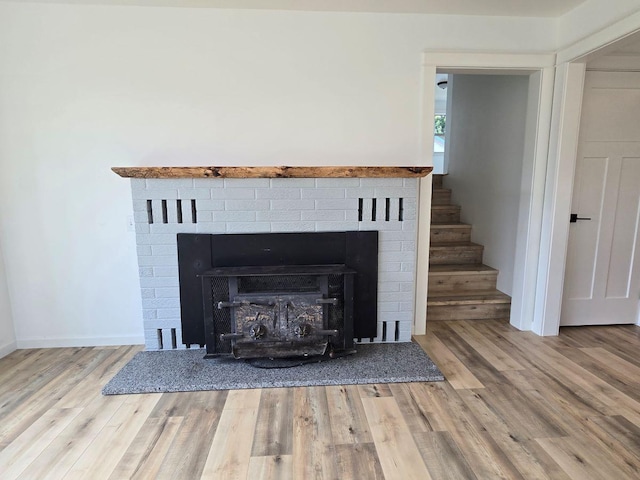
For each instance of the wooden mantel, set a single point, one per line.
(272, 172)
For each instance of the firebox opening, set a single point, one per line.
(278, 294)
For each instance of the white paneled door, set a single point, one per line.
(602, 279)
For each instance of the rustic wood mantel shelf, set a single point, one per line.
(272, 172)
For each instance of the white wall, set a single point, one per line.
(438, 163)
(7, 332)
(84, 88)
(486, 145)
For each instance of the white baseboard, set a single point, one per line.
(79, 341)
(7, 348)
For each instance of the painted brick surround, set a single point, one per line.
(165, 207)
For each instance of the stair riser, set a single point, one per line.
(441, 197)
(437, 181)
(442, 235)
(445, 215)
(468, 312)
(455, 255)
(462, 283)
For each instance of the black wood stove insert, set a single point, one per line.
(278, 295)
(278, 311)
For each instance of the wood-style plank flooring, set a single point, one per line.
(514, 406)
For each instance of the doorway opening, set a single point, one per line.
(533, 74)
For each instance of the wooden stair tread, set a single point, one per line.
(451, 225)
(461, 269)
(445, 207)
(468, 298)
(444, 245)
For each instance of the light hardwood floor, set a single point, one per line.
(514, 406)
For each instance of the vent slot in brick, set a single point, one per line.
(174, 342)
(160, 346)
(165, 216)
(149, 212)
(194, 212)
(397, 335)
(387, 209)
(360, 203)
(384, 331)
(374, 202)
(179, 210)
(400, 209)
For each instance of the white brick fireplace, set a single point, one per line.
(164, 207)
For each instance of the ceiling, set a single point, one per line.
(518, 8)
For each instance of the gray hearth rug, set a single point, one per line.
(188, 371)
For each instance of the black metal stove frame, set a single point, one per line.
(200, 253)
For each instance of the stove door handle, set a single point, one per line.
(330, 301)
(231, 336)
(222, 305)
(331, 333)
(266, 303)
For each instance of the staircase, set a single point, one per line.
(460, 286)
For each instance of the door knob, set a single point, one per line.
(573, 218)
